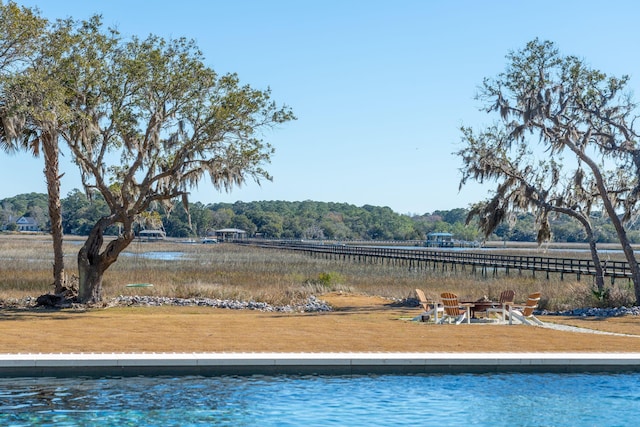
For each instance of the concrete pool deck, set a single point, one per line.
(130, 364)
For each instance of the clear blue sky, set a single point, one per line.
(380, 88)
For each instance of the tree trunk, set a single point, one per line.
(629, 254)
(51, 172)
(599, 278)
(613, 216)
(92, 263)
(593, 247)
(90, 278)
(622, 236)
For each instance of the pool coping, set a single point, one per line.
(211, 364)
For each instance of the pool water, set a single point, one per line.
(387, 400)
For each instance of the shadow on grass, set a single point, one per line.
(35, 313)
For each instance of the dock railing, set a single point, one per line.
(420, 257)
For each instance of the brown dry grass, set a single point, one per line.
(275, 276)
(358, 324)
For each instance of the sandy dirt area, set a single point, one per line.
(357, 324)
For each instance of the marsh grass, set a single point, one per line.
(274, 276)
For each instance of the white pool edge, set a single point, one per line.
(127, 364)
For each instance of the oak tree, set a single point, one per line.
(550, 106)
(152, 122)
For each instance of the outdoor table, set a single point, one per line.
(476, 306)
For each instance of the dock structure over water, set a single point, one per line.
(152, 235)
(228, 234)
(425, 258)
(439, 240)
(446, 240)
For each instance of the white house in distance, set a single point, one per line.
(27, 223)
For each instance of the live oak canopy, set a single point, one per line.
(550, 106)
(146, 121)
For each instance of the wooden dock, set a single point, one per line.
(421, 258)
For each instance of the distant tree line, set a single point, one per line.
(302, 220)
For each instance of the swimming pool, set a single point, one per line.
(385, 400)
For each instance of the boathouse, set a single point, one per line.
(439, 240)
(228, 234)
